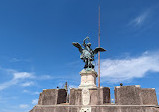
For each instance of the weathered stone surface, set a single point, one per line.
(88, 79)
(85, 96)
(86, 109)
(131, 109)
(99, 96)
(128, 95)
(105, 109)
(156, 109)
(40, 99)
(106, 95)
(62, 94)
(128, 99)
(52, 97)
(75, 97)
(56, 109)
(99, 108)
(134, 95)
(43, 109)
(149, 96)
(94, 97)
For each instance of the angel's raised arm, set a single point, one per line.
(84, 41)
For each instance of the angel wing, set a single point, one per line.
(98, 49)
(76, 44)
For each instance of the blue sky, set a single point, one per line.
(36, 50)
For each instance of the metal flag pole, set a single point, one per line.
(99, 51)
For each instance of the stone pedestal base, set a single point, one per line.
(88, 79)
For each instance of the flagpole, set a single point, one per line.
(99, 51)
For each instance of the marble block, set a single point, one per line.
(88, 79)
(85, 96)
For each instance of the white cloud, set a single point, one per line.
(35, 101)
(44, 77)
(118, 70)
(36, 93)
(138, 21)
(24, 106)
(7, 84)
(26, 91)
(6, 99)
(30, 92)
(26, 84)
(22, 75)
(17, 77)
(15, 60)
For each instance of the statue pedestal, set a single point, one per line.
(88, 79)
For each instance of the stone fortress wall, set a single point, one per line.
(127, 99)
(89, 98)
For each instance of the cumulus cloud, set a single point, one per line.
(119, 70)
(35, 101)
(24, 106)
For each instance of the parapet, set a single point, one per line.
(52, 97)
(135, 95)
(97, 96)
(149, 96)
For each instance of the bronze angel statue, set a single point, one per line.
(87, 54)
